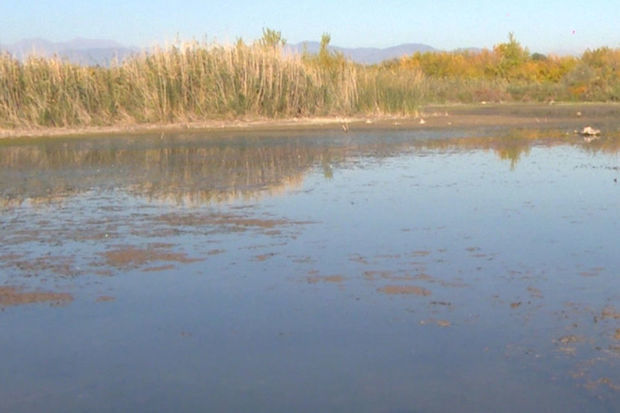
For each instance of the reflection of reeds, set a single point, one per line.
(189, 197)
(513, 145)
(608, 143)
(198, 174)
(179, 175)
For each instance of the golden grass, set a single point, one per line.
(196, 82)
(181, 83)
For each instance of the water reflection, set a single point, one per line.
(514, 144)
(413, 270)
(196, 170)
(160, 171)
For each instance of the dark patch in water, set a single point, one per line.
(14, 296)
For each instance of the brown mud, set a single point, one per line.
(14, 296)
(404, 290)
(431, 116)
(326, 279)
(440, 323)
(130, 256)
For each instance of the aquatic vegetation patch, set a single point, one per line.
(13, 296)
(610, 312)
(132, 257)
(440, 323)
(404, 290)
(326, 279)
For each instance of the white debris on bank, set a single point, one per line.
(590, 131)
(590, 134)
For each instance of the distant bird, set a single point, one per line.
(345, 127)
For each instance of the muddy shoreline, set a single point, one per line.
(432, 116)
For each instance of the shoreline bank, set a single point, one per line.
(432, 116)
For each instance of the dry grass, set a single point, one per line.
(185, 83)
(196, 82)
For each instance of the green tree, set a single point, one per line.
(511, 57)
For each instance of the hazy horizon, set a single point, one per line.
(554, 27)
(107, 43)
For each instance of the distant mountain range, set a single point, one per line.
(90, 52)
(101, 52)
(365, 55)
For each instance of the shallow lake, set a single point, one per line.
(470, 270)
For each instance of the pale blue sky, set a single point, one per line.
(546, 26)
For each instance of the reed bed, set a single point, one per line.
(176, 84)
(196, 81)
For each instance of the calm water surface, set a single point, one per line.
(472, 270)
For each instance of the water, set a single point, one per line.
(382, 271)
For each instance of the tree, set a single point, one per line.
(511, 56)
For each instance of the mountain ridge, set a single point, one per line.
(365, 55)
(102, 52)
(91, 52)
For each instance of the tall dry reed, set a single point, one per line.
(195, 81)
(180, 83)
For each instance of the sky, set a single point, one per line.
(550, 26)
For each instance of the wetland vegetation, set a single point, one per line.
(467, 263)
(196, 81)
